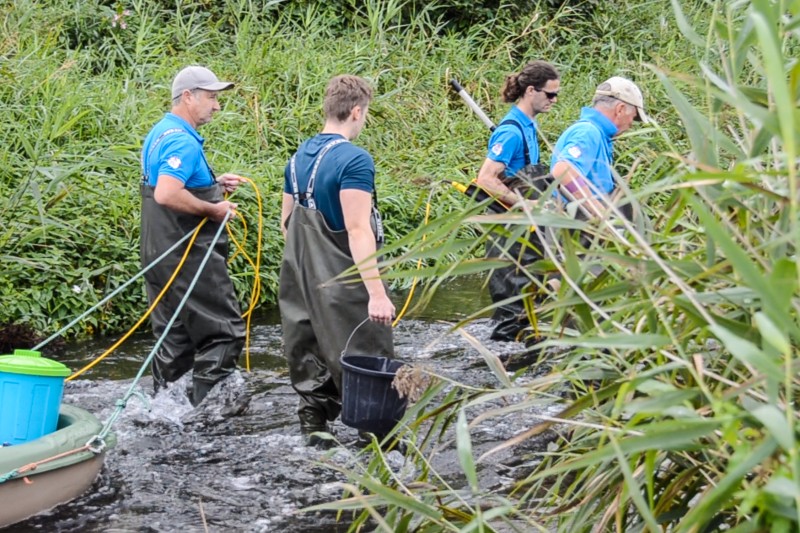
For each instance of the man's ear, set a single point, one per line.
(356, 112)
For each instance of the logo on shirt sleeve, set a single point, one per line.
(174, 162)
(497, 149)
(574, 151)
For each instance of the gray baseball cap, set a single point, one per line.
(196, 77)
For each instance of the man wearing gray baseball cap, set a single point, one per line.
(583, 157)
(195, 77)
(179, 190)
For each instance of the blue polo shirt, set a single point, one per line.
(173, 148)
(506, 146)
(588, 145)
(345, 166)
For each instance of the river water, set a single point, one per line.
(237, 462)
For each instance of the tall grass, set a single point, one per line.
(79, 94)
(680, 374)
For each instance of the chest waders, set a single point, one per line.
(208, 335)
(318, 312)
(510, 281)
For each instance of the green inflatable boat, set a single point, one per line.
(54, 469)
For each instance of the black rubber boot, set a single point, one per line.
(508, 328)
(314, 421)
(200, 390)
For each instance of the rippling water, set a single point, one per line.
(237, 462)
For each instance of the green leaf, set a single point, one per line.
(775, 422)
(707, 507)
(683, 25)
(739, 258)
(621, 340)
(634, 489)
(464, 449)
(668, 435)
(783, 487)
(749, 353)
(771, 334)
(662, 402)
(771, 51)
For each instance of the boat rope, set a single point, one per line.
(141, 320)
(255, 293)
(97, 443)
(110, 296)
(20, 472)
(123, 402)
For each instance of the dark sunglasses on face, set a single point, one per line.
(548, 94)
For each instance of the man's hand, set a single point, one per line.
(381, 309)
(220, 209)
(230, 182)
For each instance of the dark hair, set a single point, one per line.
(343, 94)
(535, 74)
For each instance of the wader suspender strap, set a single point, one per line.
(146, 177)
(376, 216)
(308, 196)
(524, 140)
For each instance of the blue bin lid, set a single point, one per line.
(32, 363)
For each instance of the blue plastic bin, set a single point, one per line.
(31, 388)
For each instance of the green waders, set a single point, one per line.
(318, 312)
(511, 320)
(208, 334)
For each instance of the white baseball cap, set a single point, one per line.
(626, 91)
(196, 77)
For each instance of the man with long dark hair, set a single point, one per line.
(512, 164)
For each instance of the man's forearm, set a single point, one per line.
(362, 250)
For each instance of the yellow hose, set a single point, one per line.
(254, 295)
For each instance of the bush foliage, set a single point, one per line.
(84, 82)
(680, 359)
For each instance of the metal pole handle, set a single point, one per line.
(471, 103)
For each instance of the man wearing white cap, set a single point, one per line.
(583, 156)
(179, 190)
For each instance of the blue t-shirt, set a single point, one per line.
(588, 145)
(506, 146)
(173, 148)
(345, 166)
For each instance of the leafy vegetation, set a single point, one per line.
(678, 373)
(681, 334)
(84, 81)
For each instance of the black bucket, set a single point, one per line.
(369, 402)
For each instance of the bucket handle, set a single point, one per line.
(353, 333)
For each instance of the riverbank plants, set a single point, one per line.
(676, 360)
(83, 83)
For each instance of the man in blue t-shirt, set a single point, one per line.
(179, 190)
(512, 161)
(330, 222)
(583, 158)
(514, 143)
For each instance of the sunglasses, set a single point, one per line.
(548, 94)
